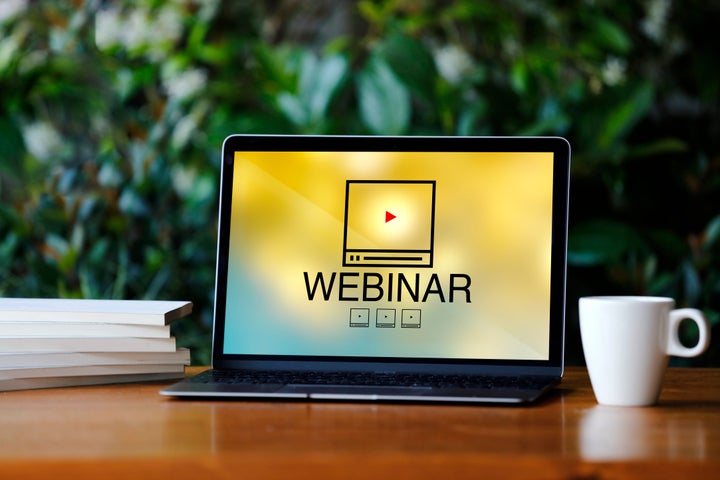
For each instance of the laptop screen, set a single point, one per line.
(390, 254)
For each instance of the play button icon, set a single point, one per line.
(389, 223)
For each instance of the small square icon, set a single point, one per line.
(410, 318)
(385, 318)
(359, 317)
(389, 223)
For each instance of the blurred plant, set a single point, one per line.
(627, 84)
(108, 184)
(112, 115)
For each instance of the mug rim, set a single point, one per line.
(629, 298)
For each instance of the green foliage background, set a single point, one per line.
(112, 115)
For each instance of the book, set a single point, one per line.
(133, 312)
(88, 344)
(47, 343)
(67, 359)
(62, 329)
(8, 385)
(92, 370)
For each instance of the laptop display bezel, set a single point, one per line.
(560, 149)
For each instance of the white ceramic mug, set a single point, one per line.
(627, 341)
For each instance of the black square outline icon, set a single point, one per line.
(407, 313)
(389, 257)
(385, 318)
(360, 317)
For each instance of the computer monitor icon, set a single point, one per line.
(389, 223)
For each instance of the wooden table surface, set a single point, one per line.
(130, 431)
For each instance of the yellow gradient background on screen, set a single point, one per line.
(493, 215)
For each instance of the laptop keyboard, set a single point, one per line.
(370, 379)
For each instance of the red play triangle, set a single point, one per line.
(388, 216)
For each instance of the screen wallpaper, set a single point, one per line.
(410, 254)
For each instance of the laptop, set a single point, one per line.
(408, 269)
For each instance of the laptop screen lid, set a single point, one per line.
(429, 254)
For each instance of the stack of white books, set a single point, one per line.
(47, 343)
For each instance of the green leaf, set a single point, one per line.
(12, 147)
(319, 81)
(470, 116)
(669, 244)
(276, 67)
(411, 62)
(371, 11)
(712, 232)
(658, 147)
(384, 100)
(519, 78)
(662, 285)
(8, 246)
(611, 35)
(132, 203)
(691, 283)
(602, 242)
(633, 106)
(292, 108)
(545, 126)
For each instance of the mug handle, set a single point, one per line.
(674, 347)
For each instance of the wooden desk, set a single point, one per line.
(131, 431)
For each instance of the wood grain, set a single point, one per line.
(128, 431)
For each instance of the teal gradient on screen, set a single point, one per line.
(491, 234)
